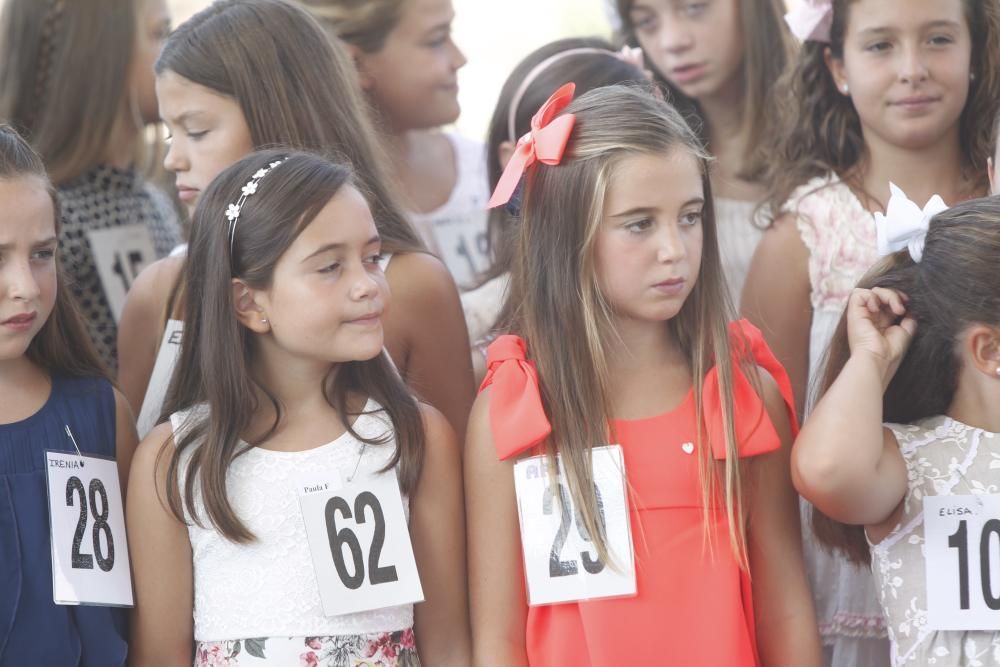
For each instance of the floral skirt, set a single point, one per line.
(387, 649)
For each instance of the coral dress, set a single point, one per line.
(694, 604)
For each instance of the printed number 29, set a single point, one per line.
(82, 561)
(564, 568)
(960, 540)
(345, 537)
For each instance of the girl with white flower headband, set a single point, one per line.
(299, 500)
(882, 90)
(902, 449)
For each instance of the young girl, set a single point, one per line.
(924, 355)
(246, 74)
(632, 269)
(883, 90)
(589, 63)
(283, 353)
(50, 379)
(77, 80)
(719, 60)
(408, 65)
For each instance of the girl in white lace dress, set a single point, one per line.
(283, 387)
(852, 121)
(920, 351)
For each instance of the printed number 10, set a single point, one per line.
(960, 540)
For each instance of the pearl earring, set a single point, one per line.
(263, 320)
(845, 89)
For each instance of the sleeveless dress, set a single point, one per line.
(33, 629)
(738, 238)
(693, 607)
(257, 604)
(943, 458)
(840, 236)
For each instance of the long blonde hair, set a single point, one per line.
(554, 290)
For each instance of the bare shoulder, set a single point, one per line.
(419, 279)
(152, 454)
(150, 292)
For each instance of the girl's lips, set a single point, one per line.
(187, 194)
(687, 73)
(21, 322)
(672, 286)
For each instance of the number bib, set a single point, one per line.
(360, 543)
(464, 247)
(156, 390)
(90, 562)
(560, 563)
(120, 253)
(962, 553)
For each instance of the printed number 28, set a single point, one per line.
(82, 561)
(345, 537)
(565, 568)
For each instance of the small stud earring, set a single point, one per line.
(263, 320)
(972, 77)
(845, 89)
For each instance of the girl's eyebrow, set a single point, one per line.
(646, 210)
(337, 246)
(940, 23)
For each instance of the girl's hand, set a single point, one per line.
(877, 325)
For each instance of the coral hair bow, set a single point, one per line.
(811, 20)
(545, 143)
(904, 224)
(517, 416)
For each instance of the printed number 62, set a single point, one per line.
(345, 537)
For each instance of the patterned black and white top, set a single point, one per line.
(104, 198)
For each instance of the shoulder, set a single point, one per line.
(151, 290)
(419, 280)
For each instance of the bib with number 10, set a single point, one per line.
(90, 563)
(360, 543)
(962, 553)
(560, 562)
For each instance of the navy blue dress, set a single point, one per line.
(33, 629)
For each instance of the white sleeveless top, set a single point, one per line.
(267, 588)
(943, 458)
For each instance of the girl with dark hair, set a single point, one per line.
(283, 385)
(882, 91)
(51, 381)
(909, 422)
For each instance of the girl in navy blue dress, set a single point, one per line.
(50, 378)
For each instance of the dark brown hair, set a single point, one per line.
(62, 346)
(822, 130)
(64, 73)
(769, 47)
(364, 23)
(587, 71)
(954, 286)
(214, 363)
(296, 89)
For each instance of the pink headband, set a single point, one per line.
(811, 20)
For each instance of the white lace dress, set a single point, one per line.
(840, 236)
(943, 458)
(257, 604)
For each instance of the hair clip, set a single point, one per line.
(233, 210)
(811, 20)
(904, 224)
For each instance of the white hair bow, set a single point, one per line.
(904, 224)
(811, 20)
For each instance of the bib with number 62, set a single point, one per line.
(962, 552)
(90, 562)
(561, 563)
(360, 542)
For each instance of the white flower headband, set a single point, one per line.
(233, 210)
(904, 224)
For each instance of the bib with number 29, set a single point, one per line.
(962, 552)
(360, 542)
(560, 562)
(90, 564)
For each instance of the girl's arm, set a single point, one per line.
(437, 527)
(499, 607)
(162, 627)
(125, 437)
(426, 335)
(787, 632)
(141, 327)
(844, 461)
(776, 300)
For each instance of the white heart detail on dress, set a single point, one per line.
(688, 447)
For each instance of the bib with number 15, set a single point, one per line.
(561, 563)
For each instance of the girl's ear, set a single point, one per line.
(360, 61)
(983, 343)
(836, 68)
(249, 313)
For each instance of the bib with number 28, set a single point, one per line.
(561, 563)
(962, 552)
(360, 542)
(90, 562)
